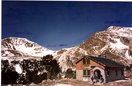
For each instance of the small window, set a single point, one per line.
(108, 72)
(92, 67)
(122, 73)
(116, 72)
(86, 72)
(86, 61)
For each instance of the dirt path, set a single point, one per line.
(74, 82)
(65, 82)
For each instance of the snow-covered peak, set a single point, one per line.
(14, 46)
(115, 43)
(120, 31)
(17, 40)
(118, 27)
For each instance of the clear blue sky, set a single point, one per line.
(61, 24)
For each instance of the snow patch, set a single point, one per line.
(120, 31)
(118, 45)
(18, 68)
(127, 55)
(62, 85)
(41, 72)
(32, 84)
(121, 81)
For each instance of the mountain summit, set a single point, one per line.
(14, 46)
(115, 43)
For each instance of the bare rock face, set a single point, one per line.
(114, 43)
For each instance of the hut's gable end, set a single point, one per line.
(80, 65)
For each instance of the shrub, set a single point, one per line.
(32, 70)
(69, 73)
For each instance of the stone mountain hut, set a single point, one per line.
(102, 68)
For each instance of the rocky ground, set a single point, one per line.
(73, 82)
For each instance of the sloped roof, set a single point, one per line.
(103, 61)
(106, 62)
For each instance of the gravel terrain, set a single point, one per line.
(74, 82)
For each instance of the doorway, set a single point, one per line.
(97, 74)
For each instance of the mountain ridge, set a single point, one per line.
(23, 47)
(114, 43)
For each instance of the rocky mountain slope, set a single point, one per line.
(115, 43)
(68, 56)
(16, 47)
